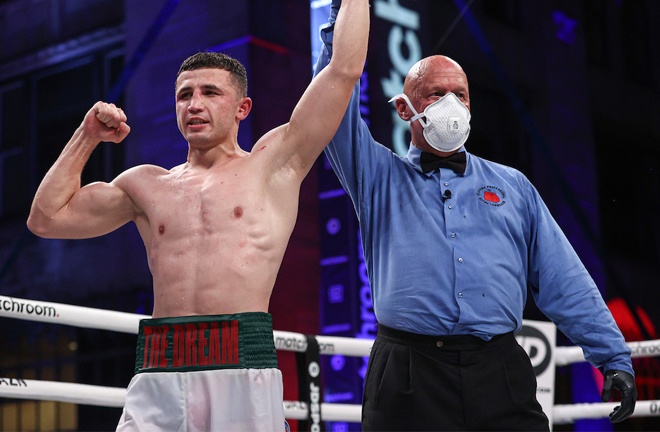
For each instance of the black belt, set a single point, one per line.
(453, 342)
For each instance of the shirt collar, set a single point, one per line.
(414, 153)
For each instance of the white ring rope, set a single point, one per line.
(113, 397)
(79, 316)
(565, 414)
(82, 394)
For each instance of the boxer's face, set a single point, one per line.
(208, 107)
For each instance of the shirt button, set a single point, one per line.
(460, 260)
(460, 295)
(453, 235)
(449, 206)
(446, 184)
(439, 344)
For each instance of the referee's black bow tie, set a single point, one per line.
(431, 161)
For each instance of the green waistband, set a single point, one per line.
(206, 342)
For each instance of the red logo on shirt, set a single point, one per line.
(491, 195)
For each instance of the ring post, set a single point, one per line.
(309, 384)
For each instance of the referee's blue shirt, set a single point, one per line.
(462, 265)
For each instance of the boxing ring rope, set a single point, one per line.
(85, 317)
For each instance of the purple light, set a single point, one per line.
(564, 27)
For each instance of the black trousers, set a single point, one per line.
(426, 383)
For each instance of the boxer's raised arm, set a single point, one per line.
(317, 115)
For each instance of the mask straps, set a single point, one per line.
(417, 115)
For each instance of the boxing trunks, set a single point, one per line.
(205, 373)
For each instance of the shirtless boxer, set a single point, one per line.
(215, 231)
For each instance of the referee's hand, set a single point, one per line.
(625, 383)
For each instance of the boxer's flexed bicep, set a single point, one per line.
(94, 210)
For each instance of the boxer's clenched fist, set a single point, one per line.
(106, 122)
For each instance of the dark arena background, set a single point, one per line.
(564, 90)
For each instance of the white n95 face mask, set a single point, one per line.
(447, 124)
